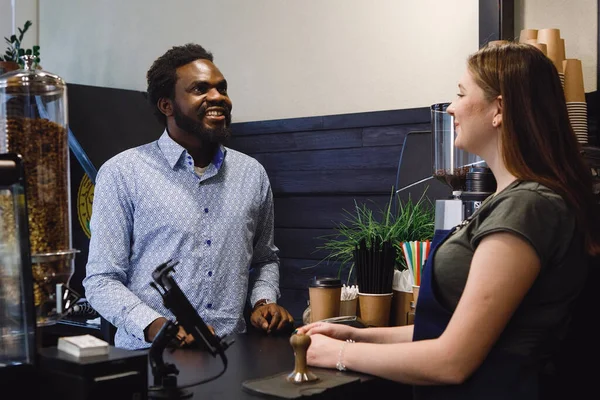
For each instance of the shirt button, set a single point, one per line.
(189, 157)
(208, 242)
(209, 305)
(209, 273)
(190, 163)
(206, 210)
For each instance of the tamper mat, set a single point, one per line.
(277, 386)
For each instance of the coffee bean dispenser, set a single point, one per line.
(34, 124)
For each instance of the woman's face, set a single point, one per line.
(476, 119)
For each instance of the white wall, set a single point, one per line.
(28, 10)
(282, 59)
(578, 24)
(5, 22)
(286, 58)
(24, 10)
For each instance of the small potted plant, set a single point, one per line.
(12, 57)
(370, 246)
(410, 221)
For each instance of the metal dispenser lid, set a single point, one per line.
(36, 81)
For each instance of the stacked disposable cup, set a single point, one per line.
(528, 34)
(575, 97)
(541, 46)
(569, 71)
(549, 42)
(497, 42)
(555, 46)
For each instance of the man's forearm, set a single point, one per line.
(264, 283)
(119, 306)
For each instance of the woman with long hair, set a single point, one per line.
(497, 291)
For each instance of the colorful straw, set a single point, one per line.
(415, 255)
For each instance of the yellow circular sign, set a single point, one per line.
(85, 198)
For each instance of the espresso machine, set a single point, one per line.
(467, 174)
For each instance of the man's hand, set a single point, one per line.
(152, 330)
(269, 317)
(182, 339)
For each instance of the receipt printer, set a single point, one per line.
(118, 375)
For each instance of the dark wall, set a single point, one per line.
(318, 167)
(105, 122)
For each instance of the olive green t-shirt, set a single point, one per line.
(542, 218)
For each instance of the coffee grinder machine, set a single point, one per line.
(467, 174)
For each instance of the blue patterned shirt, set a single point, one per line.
(149, 207)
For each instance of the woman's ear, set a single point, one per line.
(497, 120)
(165, 106)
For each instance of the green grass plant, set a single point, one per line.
(408, 222)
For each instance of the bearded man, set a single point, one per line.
(184, 197)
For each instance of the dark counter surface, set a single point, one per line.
(252, 356)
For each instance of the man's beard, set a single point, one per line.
(197, 128)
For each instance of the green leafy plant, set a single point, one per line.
(14, 52)
(410, 221)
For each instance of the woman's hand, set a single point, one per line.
(335, 331)
(323, 351)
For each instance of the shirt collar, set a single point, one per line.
(174, 152)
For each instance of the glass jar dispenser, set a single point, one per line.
(34, 124)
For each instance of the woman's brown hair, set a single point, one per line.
(538, 142)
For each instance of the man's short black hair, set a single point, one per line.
(162, 76)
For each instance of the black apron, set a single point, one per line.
(501, 376)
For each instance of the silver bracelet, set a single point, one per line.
(340, 364)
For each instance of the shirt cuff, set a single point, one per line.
(263, 293)
(138, 319)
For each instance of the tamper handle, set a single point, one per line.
(301, 373)
(300, 344)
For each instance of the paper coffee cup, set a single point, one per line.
(554, 44)
(497, 42)
(325, 298)
(348, 307)
(527, 34)
(374, 308)
(416, 293)
(400, 307)
(574, 89)
(541, 46)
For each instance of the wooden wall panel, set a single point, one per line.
(320, 211)
(316, 175)
(357, 158)
(372, 181)
(300, 141)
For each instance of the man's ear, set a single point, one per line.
(165, 106)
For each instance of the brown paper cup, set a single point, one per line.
(574, 89)
(562, 50)
(374, 309)
(556, 47)
(400, 307)
(527, 34)
(416, 293)
(548, 35)
(541, 46)
(497, 42)
(348, 307)
(324, 303)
